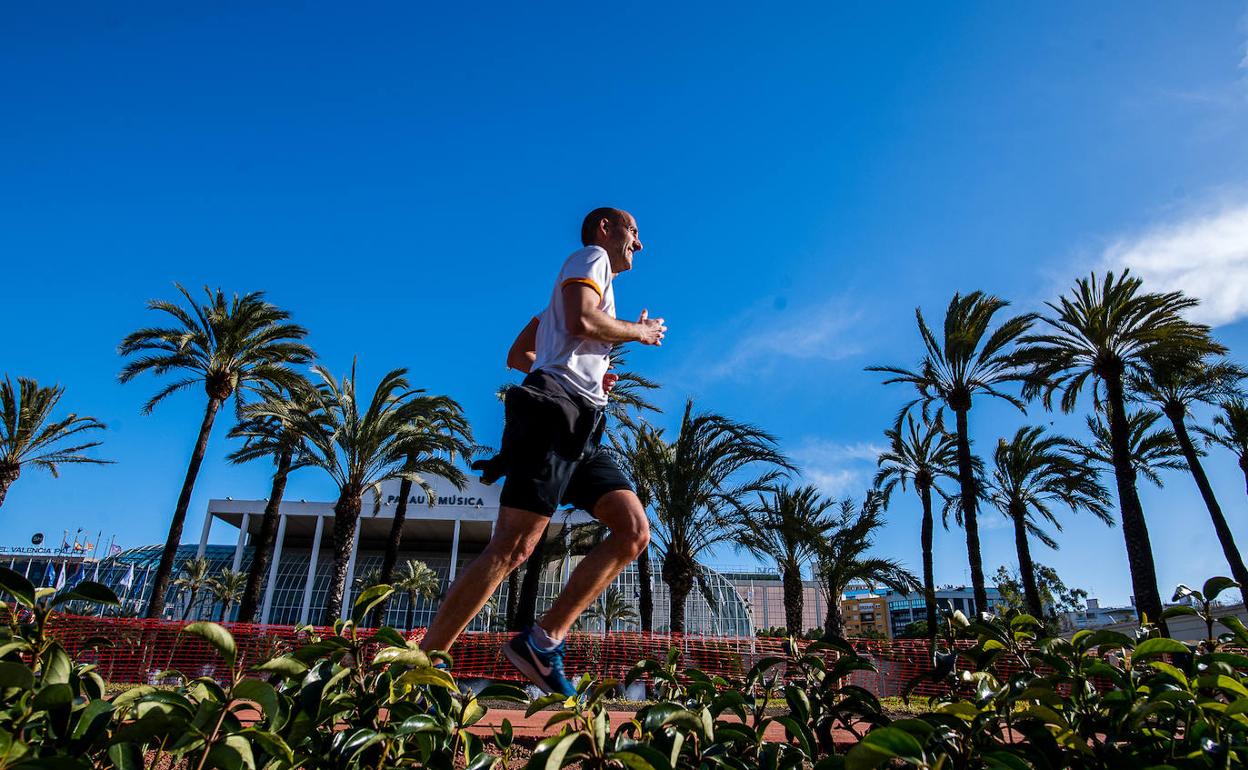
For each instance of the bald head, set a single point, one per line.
(591, 228)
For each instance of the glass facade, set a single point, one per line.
(726, 614)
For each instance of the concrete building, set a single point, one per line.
(866, 616)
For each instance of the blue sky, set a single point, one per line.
(406, 181)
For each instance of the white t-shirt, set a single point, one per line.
(578, 362)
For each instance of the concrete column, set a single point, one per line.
(307, 586)
(242, 538)
(346, 588)
(454, 553)
(203, 537)
(276, 559)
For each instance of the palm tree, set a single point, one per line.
(954, 369)
(693, 483)
(360, 446)
(1032, 472)
(228, 346)
(280, 440)
(919, 455)
(417, 580)
(1230, 430)
(196, 576)
(28, 436)
(1106, 331)
(1150, 449)
(1173, 385)
(613, 609)
(226, 588)
(786, 528)
(440, 434)
(843, 557)
(629, 448)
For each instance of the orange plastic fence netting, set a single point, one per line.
(137, 651)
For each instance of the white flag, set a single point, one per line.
(96, 576)
(128, 580)
(60, 578)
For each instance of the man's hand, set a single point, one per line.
(652, 329)
(608, 381)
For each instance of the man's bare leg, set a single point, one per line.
(622, 513)
(515, 536)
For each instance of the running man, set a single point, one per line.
(551, 455)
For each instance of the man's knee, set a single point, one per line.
(511, 552)
(625, 516)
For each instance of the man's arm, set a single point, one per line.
(524, 350)
(584, 319)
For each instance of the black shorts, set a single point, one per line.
(552, 453)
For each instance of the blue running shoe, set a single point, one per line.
(544, 668)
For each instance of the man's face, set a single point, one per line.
(622, 242)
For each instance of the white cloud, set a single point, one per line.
(827, 333)
(837, 469)
(1205, 256)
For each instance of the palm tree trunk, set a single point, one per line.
(391, 556)
(1243, 466)
(411, 610)
(679, 578)
(929, 577)
(833, 621)
(1223, 530)
(259, 568)
(526, 608)
(1134, 527)
(792, 578)
(1026, 568)
(8, 474)
(970, 503)
(645, 602)
(346, 518)
(164, 571)
(513, 600)
(186, 613)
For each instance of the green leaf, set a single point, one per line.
(215, 635)
(502, 691)
(388, 636)
(92, 719)
(21, 589)
(271, 743)
(358, 741)
(559, 753)
(1237, 627)
(57, 665)
(881, 745)
(88, 591)
(16, 675)
(1005, 761)
(262, 694)
(1085, 640)
(53, 696)
(543, 702)
(232, 753)
(1177, 611)
(632, 761)
(420, 723)
(403, 656)
(369, 599)
(1216, 585)
(1161, 646)
(126, 756)
(1169, 671)
(285, 666)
